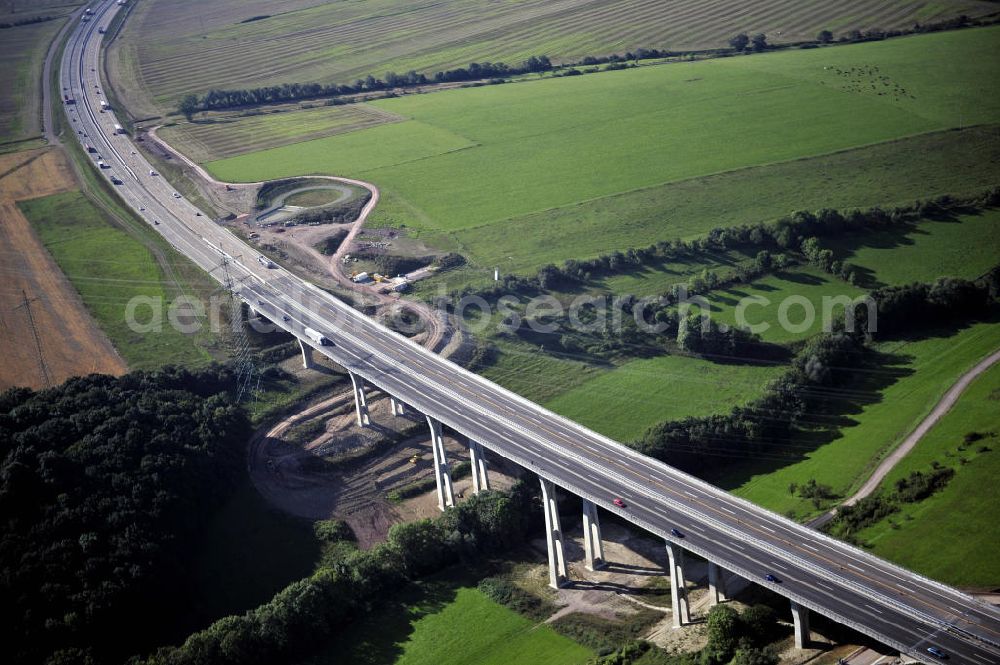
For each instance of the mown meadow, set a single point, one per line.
(522, 174)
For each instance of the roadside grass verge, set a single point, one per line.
(536, 375)
(863, 423)
(108, 267)
(445, 620)
(951, 535)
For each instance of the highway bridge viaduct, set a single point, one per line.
(895, 606)
(593, 544)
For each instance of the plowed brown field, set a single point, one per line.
(69, 343)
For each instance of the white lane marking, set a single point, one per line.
(691, 494)
(810, 547)
(873, 608)
(856, 567)
(905, 587)
(778, 565)
(766, 528)
(980, 658)
(827, 587)
(696, 528)
(738, 546)
(726, 509)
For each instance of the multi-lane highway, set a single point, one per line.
(889, 603)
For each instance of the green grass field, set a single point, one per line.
(218, 135)
(517, 175)
(624, 402)
(535, 375)
(22, 54)
(965, 246)
(446, 621)
(952, 535)
(306, 40)
(109, 267)
(876, 416)
(805, 295)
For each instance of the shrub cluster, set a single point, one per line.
(872, 509)
(740, 637)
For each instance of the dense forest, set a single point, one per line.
(105, 483)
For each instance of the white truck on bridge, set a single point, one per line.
(318, 337)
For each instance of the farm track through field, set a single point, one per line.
(940, 409)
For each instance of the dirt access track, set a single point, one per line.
(68, 341)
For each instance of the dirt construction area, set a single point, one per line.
(68, 342)
(338, 470)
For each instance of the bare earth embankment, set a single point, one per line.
(68, 339)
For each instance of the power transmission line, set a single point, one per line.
(42, 366)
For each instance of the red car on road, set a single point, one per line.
(618, 502)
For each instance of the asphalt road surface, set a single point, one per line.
(889, 603)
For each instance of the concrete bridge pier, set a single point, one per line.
(558, 574)
(800, 617)
(592, 543)
(480, 476)
(446, 495)
(307, 355)
(360, 401)
(678, 590)
(716, 584)
(397, 407)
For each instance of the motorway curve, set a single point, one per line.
(895, 606)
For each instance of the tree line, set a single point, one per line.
(305, 615)
(105, 484)
(219, 99)
(769, 423)
(799, 232)
(224, 99)
(26, 21)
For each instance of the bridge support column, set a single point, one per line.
(480, 477)
(396, 406)
(446, 496)
(360, 401)
(716, 584)
(558, 575)
(592, 543)
(307, 355)
(800, 616)
(678, 590)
